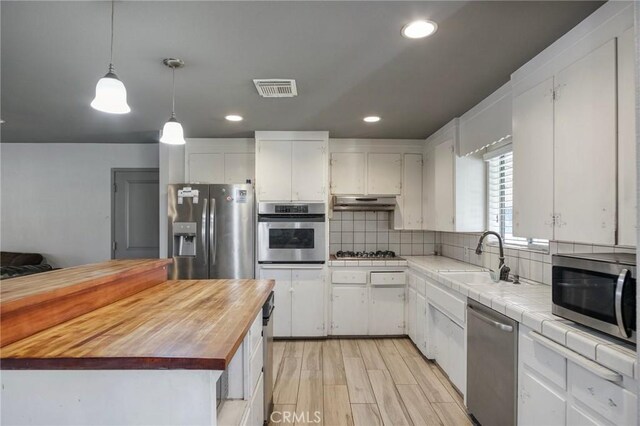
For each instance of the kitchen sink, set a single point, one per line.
(470, 278)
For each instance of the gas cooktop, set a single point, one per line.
(373, 255)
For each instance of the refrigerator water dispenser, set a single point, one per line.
(184, 238)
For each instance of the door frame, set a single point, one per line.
(115, 170)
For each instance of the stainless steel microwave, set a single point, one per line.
(597, 290)
(291, 233)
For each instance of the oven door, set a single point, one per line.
(598, 295)
(291, 240)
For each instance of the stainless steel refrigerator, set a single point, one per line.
(211, 231)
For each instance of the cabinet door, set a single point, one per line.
(386, 313)
(412, 192)
(308, 171)
(429, 191)
(307, 303)
(274, 170)
(239, 167)
(421, 322)
(585, 148)
(257, 403)
(626, 141)
(282, 299)
(444, 196)
(458, 354)
(347, 173)
(384, 174)
(349, 311)
(538, 403)
(533, 162)
(439, 337)
(206, 168)
(576, 416)
(411, 313)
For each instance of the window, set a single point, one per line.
(500, 199)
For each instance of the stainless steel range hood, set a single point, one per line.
(363, 203)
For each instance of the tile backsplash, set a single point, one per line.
(529, 264)
(371, 231)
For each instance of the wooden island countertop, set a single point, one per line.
(190, 324)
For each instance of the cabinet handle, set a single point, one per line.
(582, 361)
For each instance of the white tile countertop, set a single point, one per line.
(530, 304)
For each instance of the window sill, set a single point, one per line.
(533, 249)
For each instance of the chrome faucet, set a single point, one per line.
(503, 270)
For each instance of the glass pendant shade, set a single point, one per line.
(172, 132)
(111, 95)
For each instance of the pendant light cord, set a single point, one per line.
(173, 96)
(111, 53)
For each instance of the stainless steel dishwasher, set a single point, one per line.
(492, 366)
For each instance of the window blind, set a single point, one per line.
(500, 199)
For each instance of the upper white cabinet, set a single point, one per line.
(454, 195)
(347, 173)
(585, 148)
(408, 214)
(384, 173)
(291, 166)
(626, 141)
(533, 162)
(219, 161)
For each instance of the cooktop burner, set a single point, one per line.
(380, 254)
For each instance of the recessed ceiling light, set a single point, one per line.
(372, 119)
(233, 117)
(419, 29)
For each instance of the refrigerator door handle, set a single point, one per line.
(203, 230)
(213, 235)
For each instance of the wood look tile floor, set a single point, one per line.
(361, 382)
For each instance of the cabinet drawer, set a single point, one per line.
(542, 360)
(349, 277)
(255, 366)
(602, 396)
(388, 278)
(255, 333)
(453, 306)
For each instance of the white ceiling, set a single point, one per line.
(348, 59)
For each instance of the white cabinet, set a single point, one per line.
(349, 311)
(307, 303)
(533, 162)
(626, 141)
(299, 301)
(347, 173)
(585, 148)
(455, 190)
(411, 307)
(386, 313)
(220, 167)
(239, 167)
(408, 213)
(421, 322)
(291, 166)
(538, 402)
(384, 173)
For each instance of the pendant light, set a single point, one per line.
(172, 132)
(111, 95)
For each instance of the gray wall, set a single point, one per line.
(56, 200)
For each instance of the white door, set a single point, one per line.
(307, 303)
(384, 174)
(626, 141)
(239, 167)
(206, 168)
(347, 173)
(457, 352)
(421, 323)
(578, 417)
(308, 171)
(533, 162)
(429, 191)
(386, 313)
(538, 403)
(585, 148)
(444, 187)
(282, 300)
(349, 311)
(411, 313)
(412, 192)
(440, 338)
(274, 170)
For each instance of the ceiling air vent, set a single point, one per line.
(276, 88)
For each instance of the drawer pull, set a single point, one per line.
(582, 361)
(611, 403)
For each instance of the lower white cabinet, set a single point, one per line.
(299, 301)
(421, 322)
(349, 311)
(386, 312)
(447, 346)
(533, 394)
(411, 308)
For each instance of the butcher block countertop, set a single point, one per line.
(194, 324)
